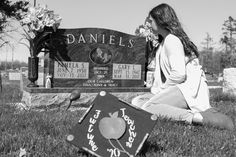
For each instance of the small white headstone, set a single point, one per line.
(229, 81)
(14, 76)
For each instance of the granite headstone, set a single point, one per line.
(93, 57)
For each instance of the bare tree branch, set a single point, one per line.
(6, 42)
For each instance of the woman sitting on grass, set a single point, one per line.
(179, 91)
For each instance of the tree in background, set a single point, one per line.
(229, 30)
(225, 41)
(207, 54)
(216, 60)
(9, 10)
(12, 65)
(208, 42)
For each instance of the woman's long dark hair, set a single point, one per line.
(165, 17)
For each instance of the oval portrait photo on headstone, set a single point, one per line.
(100, 56)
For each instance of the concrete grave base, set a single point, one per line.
(58, 97)
(42, 98)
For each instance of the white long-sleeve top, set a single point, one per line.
(171, 60)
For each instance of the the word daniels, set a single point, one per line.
(99, 38)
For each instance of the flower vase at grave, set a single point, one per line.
(33, 71)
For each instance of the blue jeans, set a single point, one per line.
(169, 103)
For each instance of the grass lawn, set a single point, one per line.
(42, 134)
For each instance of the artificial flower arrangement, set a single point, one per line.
(37, 23)
(145, 30)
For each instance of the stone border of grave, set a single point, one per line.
(48, 101)
(42, 98)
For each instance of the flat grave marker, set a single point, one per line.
(112, 128)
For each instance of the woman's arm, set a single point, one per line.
(176, 61)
